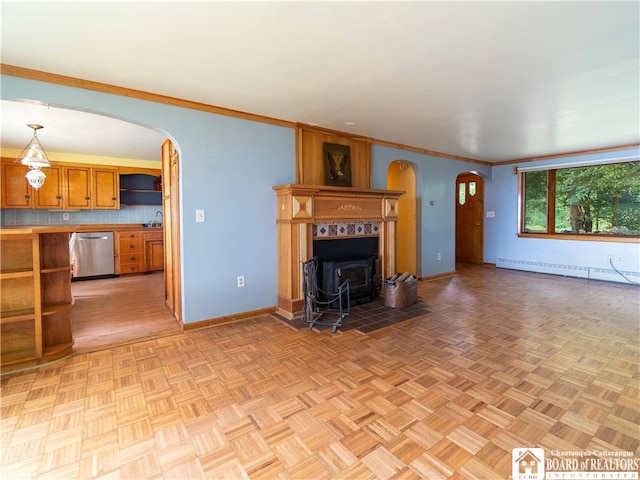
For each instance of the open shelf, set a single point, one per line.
(19, 342)
(9, 274)
(35, 299)
(54, 251)
(140, 189)
(66, 268)
(51, 309)
(17, 253)
(21, 315)
(18, 356)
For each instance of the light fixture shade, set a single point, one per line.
(33, 154)
(36, 177)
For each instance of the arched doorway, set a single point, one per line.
(470, 219)
(73, 127)
(401, 176)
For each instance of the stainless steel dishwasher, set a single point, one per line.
(92, 254)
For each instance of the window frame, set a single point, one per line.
(551, 216)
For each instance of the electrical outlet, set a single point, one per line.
(439, 256)
(618, 258)
(241, 281)
(609, 258)
(65, 216)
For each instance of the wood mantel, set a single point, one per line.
(300, 207)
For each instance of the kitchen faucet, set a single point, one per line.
(161, 216)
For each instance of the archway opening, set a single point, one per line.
(401, 176)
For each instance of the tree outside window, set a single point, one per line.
(600, 199)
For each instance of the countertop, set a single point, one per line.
(116, 227)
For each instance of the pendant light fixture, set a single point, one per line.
(35, 158)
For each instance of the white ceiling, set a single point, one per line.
(492, 81)
(81, 133)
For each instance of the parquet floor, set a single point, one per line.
(502, 360)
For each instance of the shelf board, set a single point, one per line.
(7, 274)
(58, 350)
(138, 190)
(143, 204)
(63, 268)
(51, 309)
(22, 315)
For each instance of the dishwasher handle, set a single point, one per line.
(103, 237)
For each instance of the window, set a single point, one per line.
(599, 199)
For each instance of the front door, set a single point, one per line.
(469, 218)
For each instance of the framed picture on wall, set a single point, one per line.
(337, 164)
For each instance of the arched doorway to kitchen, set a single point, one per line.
(401, 176)
(138, 306)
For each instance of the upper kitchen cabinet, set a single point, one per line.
(73, 187)
(17, 193)
(49, 195)
(91, 188)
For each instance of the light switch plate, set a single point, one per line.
(200, 216)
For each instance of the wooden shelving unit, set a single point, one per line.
(140, 189)
(35, 298)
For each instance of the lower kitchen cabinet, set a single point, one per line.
(154, 251)
(130, 253)
(139, 251)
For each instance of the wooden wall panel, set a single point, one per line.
(310, 163)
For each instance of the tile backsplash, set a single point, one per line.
(127, 214)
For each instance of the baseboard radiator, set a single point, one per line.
(590, 273)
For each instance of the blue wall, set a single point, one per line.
(229, 165)
(436, 178)
(585, 259)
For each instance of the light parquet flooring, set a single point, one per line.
(503, 360)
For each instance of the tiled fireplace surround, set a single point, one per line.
(308, 212)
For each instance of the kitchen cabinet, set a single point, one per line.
(78, 187)
(105, 183)
(95, 188)
(35, 299)
(72, 187)
(16, 191)
(139, 251)
(50, 194)
(154, 250)
(130, 252)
